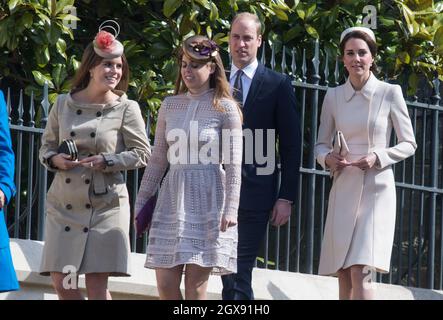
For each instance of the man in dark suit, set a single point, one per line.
(268, 102)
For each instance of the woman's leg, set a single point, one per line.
(196, 281)
(64, 286)
(362, 285)
(168, 282)
(344, 284)
(97, 286)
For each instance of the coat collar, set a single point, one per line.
(123, 97)
(367, 90)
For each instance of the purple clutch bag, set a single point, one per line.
(144, 216)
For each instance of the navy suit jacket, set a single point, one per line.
(270, 106)
(6, 168)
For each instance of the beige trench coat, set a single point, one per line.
(360, 222)
(88, 216)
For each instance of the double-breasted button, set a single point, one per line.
(72, 134)
(87, 181)
(67, 228)
(99, 113)
(88, 206)
(79, 112)
(85, 229)
(92, 134)
(69, 206)
(68, 180)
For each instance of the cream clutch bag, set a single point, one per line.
(340, 147)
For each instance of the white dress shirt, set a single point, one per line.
(248, 74)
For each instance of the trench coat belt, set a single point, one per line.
(98, 182)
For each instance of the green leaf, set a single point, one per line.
(292, 33)
(281, 15)
(62, 4)
(205, 4)
(311, 30)
(12, 4)
(54, 33)
(387, 22)
(301, 13)
(170, 6)
(75, 63)
(438, 40)
(61, 48)
(214, 12)
(27, 19)
(52, 97)
(404, 57)
(40, 78)
(59, 74)
(311, 10)
(185, 25)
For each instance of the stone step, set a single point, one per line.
(267, 284)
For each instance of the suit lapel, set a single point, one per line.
(256, 84)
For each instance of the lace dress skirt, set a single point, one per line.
(185, 226)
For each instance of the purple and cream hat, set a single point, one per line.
(366, 30)
(105, 43)
(200, 48)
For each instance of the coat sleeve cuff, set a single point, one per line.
(380, 163)
(110, 161)
(46, 163)
(321, 158)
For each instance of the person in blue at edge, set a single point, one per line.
(8, 278)
(269, 105)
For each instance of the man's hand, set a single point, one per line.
(280, 213)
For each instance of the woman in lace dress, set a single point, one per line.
(193, 228)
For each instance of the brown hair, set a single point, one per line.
(217, 80)
(89, 61)
(250, 16)
(366, 38)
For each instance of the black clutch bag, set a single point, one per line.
(69, 147)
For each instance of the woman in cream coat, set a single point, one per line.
(87, 224)
(360, 223)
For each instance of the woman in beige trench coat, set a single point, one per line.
(360, 222)
(88, 214)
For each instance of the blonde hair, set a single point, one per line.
(217, 80)
(250, 16)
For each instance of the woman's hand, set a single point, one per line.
(96, 162)
(227, 221)
(336, 162)
(366, 162)
(63, 161)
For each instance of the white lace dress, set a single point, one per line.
(194, 195)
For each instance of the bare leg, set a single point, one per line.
(362, 286)
(344, 284)
(168, 282)
(66, 286)
(97, 286)
(196, 281)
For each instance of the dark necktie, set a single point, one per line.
(237, 91)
